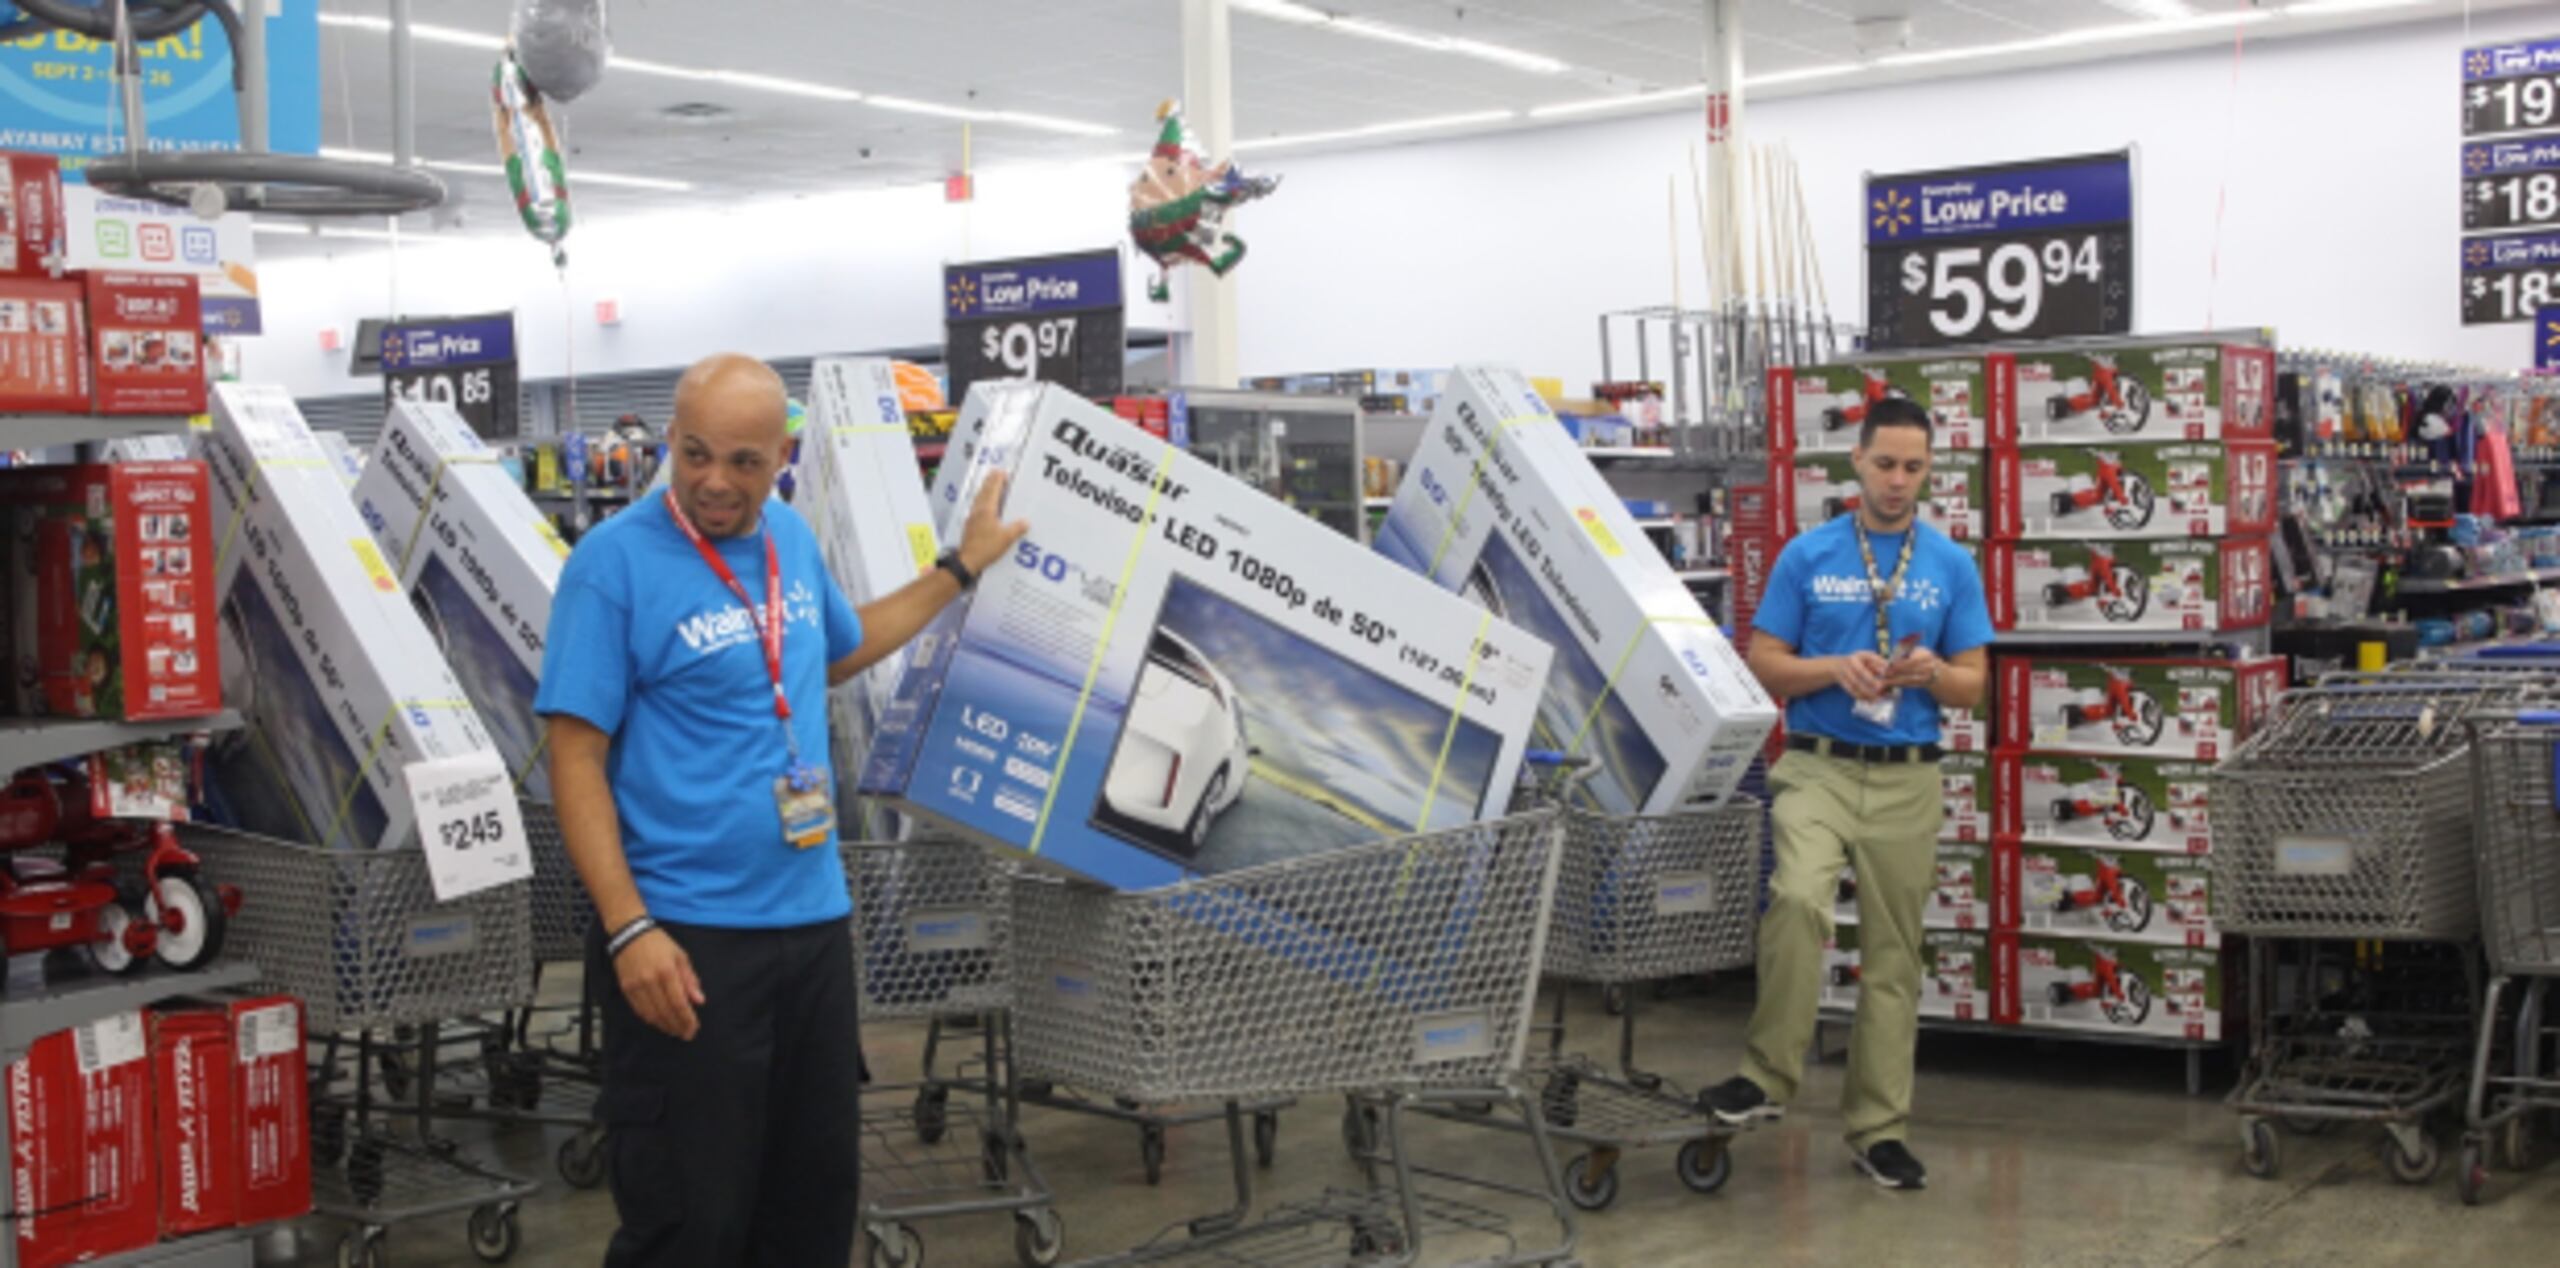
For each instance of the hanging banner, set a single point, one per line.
(2032, 250)
(57, 90)
(468, 363)
(132, 236)
(1059, 319)
(2511, 87)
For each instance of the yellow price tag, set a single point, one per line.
(551, 535)
(1608, 541)
(371, 557)
(921, 544)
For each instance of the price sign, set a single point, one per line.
(2546, 339)
(1058, 319)
(468, 821)
(2506, 277)
(468, 363)
(2511, 87)
(2019, 251)
(2511, 184)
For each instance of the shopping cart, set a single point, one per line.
(933, 939)
(1403, 970)
(360, 938)
(2517, 835)
(1639, 898)
(2347, 820)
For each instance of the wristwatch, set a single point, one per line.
(950, 562)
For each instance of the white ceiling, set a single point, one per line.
(1105, 62)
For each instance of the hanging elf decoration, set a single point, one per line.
(1178, 206)
(531, 149)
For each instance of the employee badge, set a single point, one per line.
(808, 810)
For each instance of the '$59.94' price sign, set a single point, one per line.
(2022, 251)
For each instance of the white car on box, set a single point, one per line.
(1183, 758)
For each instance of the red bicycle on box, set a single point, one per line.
(2123, 496)
(2121, 402)
(2121, 593)
(1835, 417)
(2123, 997)
(2124, 808)
(2124, 902)
(2135, 714)
(84, 901)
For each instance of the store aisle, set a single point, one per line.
(2038, 1153)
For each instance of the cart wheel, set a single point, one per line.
(2415, 1168)
(1266, 1137)
(1376, 1239)
(897, 1246)
(933, 1113)
(2474, 1175)
(581, 1159)
(395, 1074)
(2258, 1153)
(191, 920)
(328, 1134)
(493, 1232)
(1704, 1165)
(363, 1249)
(1038, 1237)
(1613, 1000)
(1591, 1185)
(1557, 1099)
(364, 1169)
(1151, 1152)
(2516, 1146)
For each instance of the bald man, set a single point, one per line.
(688, 739)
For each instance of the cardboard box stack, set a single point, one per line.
(109, 594)
(1175, 675)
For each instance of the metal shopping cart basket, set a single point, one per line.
(934, 939)
(360, 938)
(2348, 819)
(1639, 898)
(2517, 844)
(1405, 970)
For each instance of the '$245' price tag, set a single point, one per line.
(468, 821)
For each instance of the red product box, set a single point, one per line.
(125, 622)
(2008, 883)
(31, 224)
(274, 1108)
(82, 1179)
(2144, 391)
(197, 1111)
(1152, 414)
(44, 346)
(2183, 489)
(2128, 586)
(2005, 992)
(2160, 707)
(1820, 408)
(147, 330)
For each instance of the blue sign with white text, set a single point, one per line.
(1016, 288)
(438, 344)
(2546, 338)
(2053, 194)
(2521, 154)
(2501, 61)
(57, 90)
(2514, 251)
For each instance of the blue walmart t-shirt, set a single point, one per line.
(649, 645)
(1818, 601)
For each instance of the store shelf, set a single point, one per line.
(26, 742)
(25, 1019)
(222, 1248)
(2500, 581)
(1628, 453)
(2122, 638)
(1663, 524)
(1703, 574)
(39, 431)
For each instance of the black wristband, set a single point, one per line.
(623, 937)
(950, 563)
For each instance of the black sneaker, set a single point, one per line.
(1889, 1164)
(1739, 1102)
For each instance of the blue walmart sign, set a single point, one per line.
(1017, 288)
(1962, 203)
(57, 90)
(437, 345)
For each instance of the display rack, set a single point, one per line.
(2193, 1048)
(44, 431)
(26, 742)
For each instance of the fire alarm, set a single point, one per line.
(330, 340)
(608, 312)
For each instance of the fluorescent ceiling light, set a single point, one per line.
(577, 176)
(427, 31)
(1799, 75)
(1608, 103)
(1377, 129)
(2070, 39)
(1390, 34)
(1535, 63)
(2156, 10)
(1307, 15)
(1280, 10)
(788, 87)
(643, 66)
(912, 106)
(2323, 8)
(1051, 123)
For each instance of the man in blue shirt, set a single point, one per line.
(1869, 625)
(692, 642)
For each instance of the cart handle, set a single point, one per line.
(2518, 651)
(2539, 717)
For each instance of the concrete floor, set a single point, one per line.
(2039, 1153)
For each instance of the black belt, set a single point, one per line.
(1880, 754)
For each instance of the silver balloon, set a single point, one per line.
(561, 44)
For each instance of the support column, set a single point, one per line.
(1725, 159)
(1208, 104)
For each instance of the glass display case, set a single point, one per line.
(1303, 450)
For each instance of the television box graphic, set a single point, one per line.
(480, 564)
(2126, 803)
(2191, 708)
(116, 588)
(863, 495)
(1501, 506)
(2125, 895)
(83, 1177)
(2119, 987)
(197, 1112)
(2142, 392)
(1959, 896)
(1956, 973)
(2128, 586)
(2209, 489)
(147, 335)
(1175, 675)
(1820, 486)
(994, 419)
(1820, 408)
(340, 683)
(1965, 779)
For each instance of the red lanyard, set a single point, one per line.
(773, 613)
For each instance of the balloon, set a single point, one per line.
(561, 44)
(1178, 206)
(532, 153)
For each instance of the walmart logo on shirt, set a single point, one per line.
(1920, 592)
(709, 632)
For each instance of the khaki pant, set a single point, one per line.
(1884, 820)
